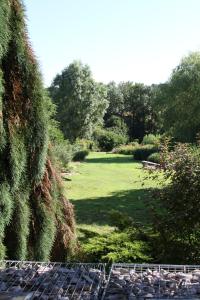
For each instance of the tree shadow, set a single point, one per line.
(97, 210)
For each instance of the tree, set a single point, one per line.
(81, 102)
(178, 100)
(36, 221)
(138, 110)
(116, 101)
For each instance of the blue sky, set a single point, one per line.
(121, 40)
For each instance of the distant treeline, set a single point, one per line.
(170, 108)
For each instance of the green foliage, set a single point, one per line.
(176, 207)
(132, 103)
(117, 247)
(81, 102)
(6, 204)
(2, 131)
(138, 113)
(151, 139)
(117, 125)
(107, 139)
(18, 158)
(126, 149)
(121, 220)
(55, 134)
(26, 173)
(177, 100)
(115, 99)
(85, 144)
(155, 157)
(80, 155)
(22, 211)
(5, 32)
(128, 243)
(142, 152)
(62, 153)
(46, 233)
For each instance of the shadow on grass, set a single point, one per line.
(111, 160)
(96, 210)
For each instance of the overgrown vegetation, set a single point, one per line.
(176, 206)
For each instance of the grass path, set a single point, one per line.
(105, 182)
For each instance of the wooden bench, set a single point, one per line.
(150, 165)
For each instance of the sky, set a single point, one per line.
(121, 40)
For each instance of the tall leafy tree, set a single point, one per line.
(138, 109)
(178, 100)
(81, 102)
(116, 100)
(36, 221)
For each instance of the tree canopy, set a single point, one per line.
(178, 100)
(81, 102)
(133, 103)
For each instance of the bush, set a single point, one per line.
(128, 243)
(126, 149)
(116, 247)
(154, 157)
(143, 152)
(176, 207)
(62, 153)
(107, 139)
(151, 139)
(80, 155)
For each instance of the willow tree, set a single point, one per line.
(36, 221)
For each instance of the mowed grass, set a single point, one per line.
(106, 182)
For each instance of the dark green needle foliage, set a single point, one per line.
(36, 221)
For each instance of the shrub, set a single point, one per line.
(143, 152)
(151, 139)
(176, 207)
(116, 247)
(127, 243)
(62, 154)
(154, 157)
(107, 139)
(126, 149)
(80, 155)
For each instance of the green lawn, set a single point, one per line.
(105, 182)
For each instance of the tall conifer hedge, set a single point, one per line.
(36, 221)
